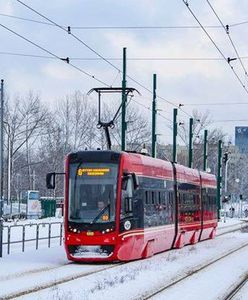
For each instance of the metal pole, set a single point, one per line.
(225, 189)
(123, 119)
(226, 169)
(205, 153)
(34, 180)
(219, 178)
(190, 161)
(9, 164)
(1, 170)
(154, 112)
(174, 156)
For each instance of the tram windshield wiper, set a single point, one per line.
(101, 213)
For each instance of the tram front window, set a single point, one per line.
(92, 192)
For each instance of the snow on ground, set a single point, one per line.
(19, 271)
(213, 282)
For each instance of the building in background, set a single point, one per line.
(241, 138)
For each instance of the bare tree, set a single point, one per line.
(24, 120)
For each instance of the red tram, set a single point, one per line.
(122, 206)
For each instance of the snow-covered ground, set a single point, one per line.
(33, 269)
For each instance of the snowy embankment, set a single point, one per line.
(36, 269)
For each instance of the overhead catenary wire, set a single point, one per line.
(141, 27)
(68, 30)
(229, 120)
(215, 104)
(226, 29)
(216, 46)
(120, 59)
(54, 55)
(148, 108)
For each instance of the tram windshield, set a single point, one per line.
(92, 192)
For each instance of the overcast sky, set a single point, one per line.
(188, 82)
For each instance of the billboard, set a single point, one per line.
(33, 204)
(241, 138)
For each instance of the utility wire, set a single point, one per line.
(66, 60)
(220, 121)
(226, 28)
(216, 46)
(215, 104)
(68, 30)
(148, 108)
(120, 59)
(122, 27)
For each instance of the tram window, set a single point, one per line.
(159, 197)
(153, 197)
(146, 198)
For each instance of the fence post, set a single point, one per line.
(37, 235)
(23, 238)
(61, 231)
(9, 228)
(49, 235)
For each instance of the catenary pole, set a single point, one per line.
(219, 177)
(205, 150)
(154, 116)
(190, 161)
(174, 154)
(123, 107)
(1, 168)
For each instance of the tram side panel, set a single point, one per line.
(189, 206)
(153, 208)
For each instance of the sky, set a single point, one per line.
(204, 85)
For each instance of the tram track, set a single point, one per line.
(237, 288)
(194, 271)
(77, 275)
(55, 283)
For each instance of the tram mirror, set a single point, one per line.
(135, 181)
(50, 180)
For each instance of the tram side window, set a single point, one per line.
(146, 198)
(159, 211)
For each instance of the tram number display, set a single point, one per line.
(93, 171)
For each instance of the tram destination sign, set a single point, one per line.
(93, 171)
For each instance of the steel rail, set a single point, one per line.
(196, 270)
(44, 286)
(57, 282)
(238, 287)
